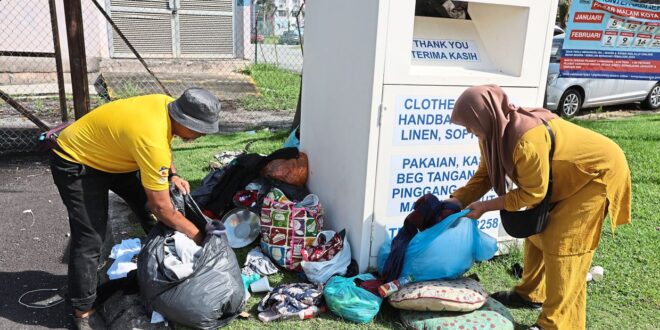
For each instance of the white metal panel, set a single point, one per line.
(348, 67)
(206, 35)
(206, 5)
(150, 4)
(512, 35)
(341, 92)
(175, 28)
(149, 33)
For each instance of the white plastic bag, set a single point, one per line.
(320, 272)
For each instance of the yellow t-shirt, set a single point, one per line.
(124, 136)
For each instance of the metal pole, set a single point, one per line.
(130, 46)
(25, 54)
(58, 60)
(4, 96)
(300, 36)
(77, 57)
(256, 31)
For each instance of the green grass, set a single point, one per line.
(271, 40)
(627, 298)
(277, 88)
(630, 293)
(192, 158)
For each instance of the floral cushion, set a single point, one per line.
(460, 295)
(492, 315)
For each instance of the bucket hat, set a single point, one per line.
(242, 227)
(196, 109)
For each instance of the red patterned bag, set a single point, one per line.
(287, 227)
(325, 251)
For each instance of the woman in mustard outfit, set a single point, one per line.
(590, 179)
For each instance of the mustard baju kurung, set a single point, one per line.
(591, 178)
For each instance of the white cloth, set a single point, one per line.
(259, 263)
(180, 255)
(157, 318)
(123, 253)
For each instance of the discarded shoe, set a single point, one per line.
(512, 299)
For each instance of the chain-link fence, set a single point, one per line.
(29, 78)
(249, 54)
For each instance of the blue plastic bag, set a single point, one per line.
(444, 251)
(292, 140)
(349, 301)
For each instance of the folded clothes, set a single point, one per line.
(291, 300)
(123, 254)
(259, 263)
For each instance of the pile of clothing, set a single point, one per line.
(424, 265)
(297, 300)
(255, 195)
(427, 212)
(250, 195)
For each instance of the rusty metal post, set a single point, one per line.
(58, 60)
(5, 97)
(77, 57)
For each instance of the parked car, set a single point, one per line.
(257, 38)
(558, 30)
(290, 37)
(568, 95)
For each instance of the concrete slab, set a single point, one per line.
(38, 89)
(229, 86)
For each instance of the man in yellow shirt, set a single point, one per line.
(124, 147)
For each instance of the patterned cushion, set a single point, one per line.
(460, 295)
(492, 315)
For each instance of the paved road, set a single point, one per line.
(285, 56)
(31, 253)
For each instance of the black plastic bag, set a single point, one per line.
(210, 297)
(239, 173)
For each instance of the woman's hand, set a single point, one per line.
(181, 184)
(453, 200)
(477, 209)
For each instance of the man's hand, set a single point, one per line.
(160, 204)
(181, 184)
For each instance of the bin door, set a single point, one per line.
(421, 152)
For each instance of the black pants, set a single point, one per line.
(84, 191)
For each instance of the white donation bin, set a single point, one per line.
(380, 82)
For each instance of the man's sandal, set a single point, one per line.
(91, 322)
(512, 299)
